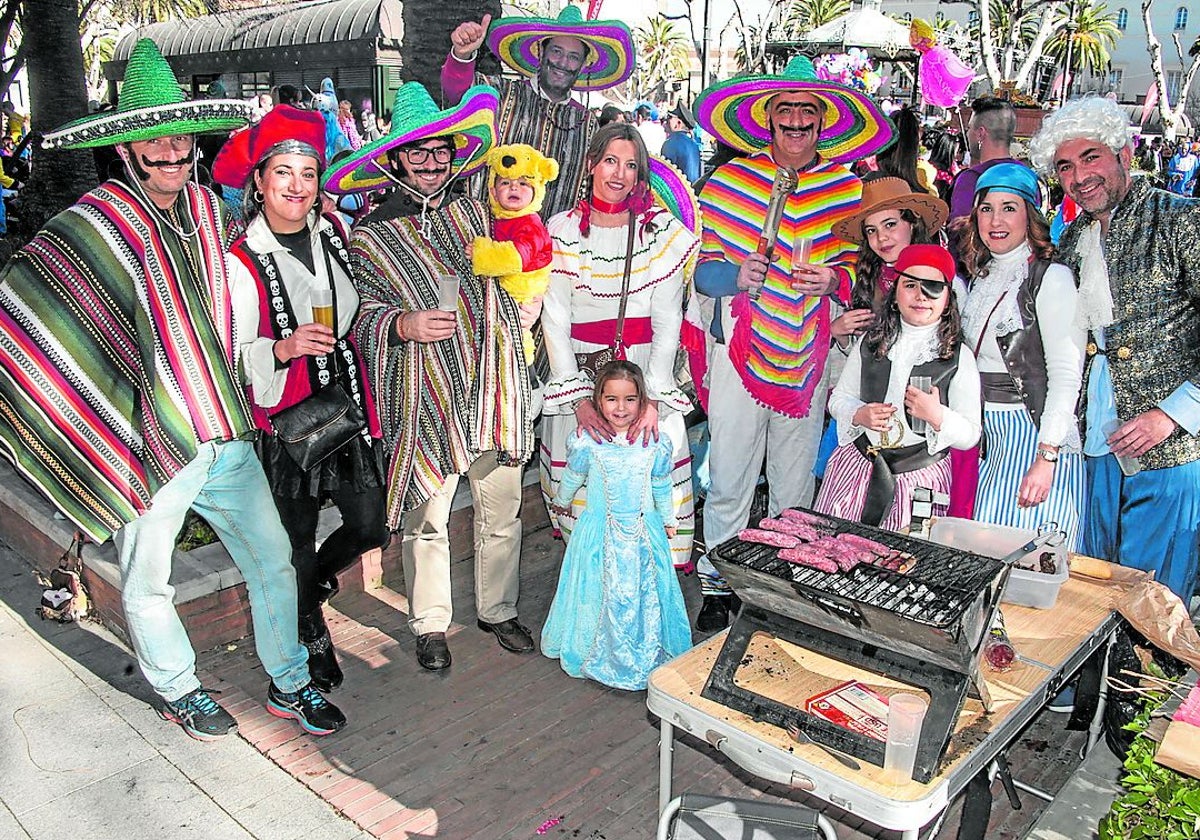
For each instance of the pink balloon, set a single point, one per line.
(944, 78)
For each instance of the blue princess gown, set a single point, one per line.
(618, 612)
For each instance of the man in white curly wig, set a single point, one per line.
(1136, 251)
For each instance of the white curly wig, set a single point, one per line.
(1089, 117)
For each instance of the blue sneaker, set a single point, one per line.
(200, 716)
(308, 707)
(1064, 701)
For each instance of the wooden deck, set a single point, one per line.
(499, 745)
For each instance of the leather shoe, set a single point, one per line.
(433, 654)
(714, 612)
(511, 634)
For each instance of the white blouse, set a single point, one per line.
(914, 346)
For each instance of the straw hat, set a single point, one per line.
(150, 105)
(284, 129)
(517, 42)
(735, 112)
(891, 194)
(415, 117)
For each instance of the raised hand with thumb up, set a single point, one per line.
(468, 37)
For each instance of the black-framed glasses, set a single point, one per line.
(418, 155)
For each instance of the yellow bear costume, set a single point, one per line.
(519, 250)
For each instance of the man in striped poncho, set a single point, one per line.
(766, 370)
(119, 394)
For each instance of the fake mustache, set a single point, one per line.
(163, 164)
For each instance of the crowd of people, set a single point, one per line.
(893, 325)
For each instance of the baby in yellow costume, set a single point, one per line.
(519, 250)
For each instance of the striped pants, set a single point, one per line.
(1011, 448)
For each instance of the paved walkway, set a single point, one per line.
(83, 754)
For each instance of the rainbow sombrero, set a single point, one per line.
(672, 191)
(734, 111)
(517, 41)
(416, 117)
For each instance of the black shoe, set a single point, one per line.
(714, 612)
(433, 654)
(199, 715)
(323, 666)
(308, 707)
(511, 634)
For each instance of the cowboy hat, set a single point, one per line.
(891, 194)
(150, 105)
(415, 117)
(735, 112)
(282, 130)
(517, 42)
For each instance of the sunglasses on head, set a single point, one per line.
(932, 289)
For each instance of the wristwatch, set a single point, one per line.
(1050, 455)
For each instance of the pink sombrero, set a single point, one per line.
(416, 117)
(517, 42)
(734, 111)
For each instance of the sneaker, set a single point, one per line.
(308, 707)
(1064, 701)
(199, 715)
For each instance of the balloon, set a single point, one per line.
(944, 78)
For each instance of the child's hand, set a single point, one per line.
(874, 416)
(853, 322)
(923, 406)
(671, 531)
(561, 510)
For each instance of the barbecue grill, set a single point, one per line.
(925, 626)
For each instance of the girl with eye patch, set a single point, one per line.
(1020, 314)
(893, 436)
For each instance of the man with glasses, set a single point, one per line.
(558, 57)
(120, 399)
(444, 353)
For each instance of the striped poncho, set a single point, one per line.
(443, 403)
(781, 340)
(115, 359)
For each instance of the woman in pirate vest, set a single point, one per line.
(895, 437)
(290, 254)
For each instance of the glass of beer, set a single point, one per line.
(321, 301)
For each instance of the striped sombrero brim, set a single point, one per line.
(735, 112)
(671, 190)
(108, 128)
(472, 122)
(516, 41)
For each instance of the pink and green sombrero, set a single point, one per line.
(734, 111)
(517, 41)
(672, 190)
(415, 117)
(151, 104)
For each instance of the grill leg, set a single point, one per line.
(666, 748)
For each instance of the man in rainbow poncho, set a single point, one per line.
(769, 331)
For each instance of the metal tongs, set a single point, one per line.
(1049, 535)
(785, 181)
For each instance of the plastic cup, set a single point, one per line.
(448, 292)
(802, 251)
(906, 714)
(921, 383)
(1129, 466)
(321, 301)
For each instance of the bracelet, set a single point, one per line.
(1047, 454)
(469, 60)
(400, 327)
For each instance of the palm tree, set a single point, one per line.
(799, 17)
(662, 55)
(1091, 33)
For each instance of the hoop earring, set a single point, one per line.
(257, 196)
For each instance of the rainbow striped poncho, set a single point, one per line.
(781, 340)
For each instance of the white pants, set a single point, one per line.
(743, 432)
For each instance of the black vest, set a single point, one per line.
(1022, 350)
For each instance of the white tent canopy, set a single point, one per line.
(866, 28)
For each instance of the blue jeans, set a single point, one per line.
(225, 484)
(1150, 521)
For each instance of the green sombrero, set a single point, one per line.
(735, 112)
(150, 105)
(517, 42)
(415, 117)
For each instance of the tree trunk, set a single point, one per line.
(427, 27)
(1154, 47)
(57, 94)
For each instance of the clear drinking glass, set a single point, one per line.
(448, 292)
(921, 383)
(906, 714)
(321, 301)
(1129, 466)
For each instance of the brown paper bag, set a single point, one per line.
(1180, 748)
(1158, 614)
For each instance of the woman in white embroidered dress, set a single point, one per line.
(581, 310)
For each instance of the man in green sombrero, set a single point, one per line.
(767, 373)
(557, 57)
(120, 398)
(444, 352)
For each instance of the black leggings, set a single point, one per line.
(364, 527)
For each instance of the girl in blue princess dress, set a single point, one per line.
(618, 612)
